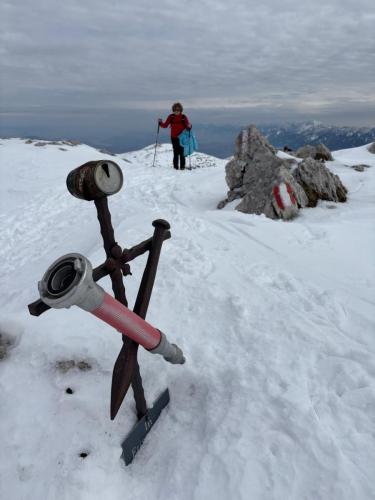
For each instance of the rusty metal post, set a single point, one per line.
(120, 377)
(145, 289)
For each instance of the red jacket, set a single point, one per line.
(178, 124)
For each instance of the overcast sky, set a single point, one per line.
(271, 58)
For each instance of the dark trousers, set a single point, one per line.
(178, 153)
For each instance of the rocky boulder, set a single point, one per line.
(371, 148)
(319, 152)
(318, 182)
(263, 181)
(276, 187)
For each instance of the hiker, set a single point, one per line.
(178, 123)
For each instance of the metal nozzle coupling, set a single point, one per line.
(170, 352)
(68, 281)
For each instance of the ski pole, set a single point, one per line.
(156, 143)
(190, 148)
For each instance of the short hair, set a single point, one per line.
(177, 105)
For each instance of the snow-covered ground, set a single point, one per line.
(277, 397)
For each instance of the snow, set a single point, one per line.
(355, 156)
(276, 319)
(287, 156)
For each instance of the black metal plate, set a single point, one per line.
(135, 438)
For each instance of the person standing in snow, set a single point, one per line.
(178, 123)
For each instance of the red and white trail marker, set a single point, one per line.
(285, 202)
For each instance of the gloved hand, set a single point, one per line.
(160, 121)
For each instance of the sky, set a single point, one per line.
(92, 65)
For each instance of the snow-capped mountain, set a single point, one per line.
(219, 139)
(296, 135)
(276, 320)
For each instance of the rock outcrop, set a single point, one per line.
(319, 183)
(255, 172)
(273, 186)
(52, 143)
(319, 152)
(360, 168)
(371, 148)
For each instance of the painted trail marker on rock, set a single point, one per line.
(284, 201)
(71, 280)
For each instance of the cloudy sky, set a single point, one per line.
(270, 59)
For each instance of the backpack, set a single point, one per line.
(183, 119)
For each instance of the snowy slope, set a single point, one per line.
(163, 157)
(277, 397)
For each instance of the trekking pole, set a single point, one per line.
(156, 143)
(190, 148)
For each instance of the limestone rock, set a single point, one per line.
(319, 152)
(275, 186)
(260, 183)
(319, 183)
(254, 172)
(360, 168)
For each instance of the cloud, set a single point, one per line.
(115, 54)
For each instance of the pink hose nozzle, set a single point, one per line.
(68, 281)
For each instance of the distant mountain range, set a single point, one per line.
(214, 139)
(296, 135)
(219, 139)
